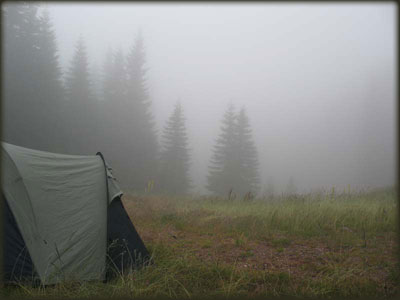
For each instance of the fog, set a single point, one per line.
(317, 80)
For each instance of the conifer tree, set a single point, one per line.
(247, 156)
(115, 117)
(138, 121)
(80, 103)
(77, 80)
(20, 71)
(118, 86)
(48, 58)
(174, 160)
(33, 90)
(223, 171)
(114, 78)
(96, 82)
(51, 95)
(234, 163)
(107, 76)
(114, 84)
(104, 121)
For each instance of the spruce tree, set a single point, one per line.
(77, 80)
(80, 103)
(33, 90)
(140, 134)
(115, 117)
(50, 98)
(247, 156)
(96, 82)
(118, 86)
(114, 78)
(49, 59)
(223, 172)
(107, 76)
(20, 72)
(234, 163)
(174, 161)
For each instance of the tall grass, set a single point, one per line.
(313, 215)
(365, 223)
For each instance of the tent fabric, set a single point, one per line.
(60, 206)
(126, 249)
(16, 258)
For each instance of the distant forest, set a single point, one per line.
(71, 113)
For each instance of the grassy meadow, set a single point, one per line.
(317, 245)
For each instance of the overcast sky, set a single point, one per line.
(317, 80)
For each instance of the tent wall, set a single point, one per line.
(64, 218)
(126, 249)
(60, 204)
(17, 262)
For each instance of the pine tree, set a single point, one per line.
(223, 172)
(138, 121)
(114, 78)
(20, 72)
(80, 103)
(115, 117)
(107, 76)
(51, 94)
(119, 80)
(49, 58)
(33, 90)
(96, 81)
(234, 164)
(77, 80)
(247, 156)
(174, 161)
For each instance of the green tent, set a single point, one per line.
(63, 218)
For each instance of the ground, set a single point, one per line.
(331, 259)
(306, 246)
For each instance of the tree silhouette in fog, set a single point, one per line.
(115, 99)
(223, 171)
(138, 119)
(77, 79)
(116, 121)
(107, 76)
(174, 160)
(52, 93)
(80, 105)
(247, 156)
(234, 162)
(32, 86)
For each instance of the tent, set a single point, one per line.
(64, 219)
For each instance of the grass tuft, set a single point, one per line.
(329, 245)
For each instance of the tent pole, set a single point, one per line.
(108, 201)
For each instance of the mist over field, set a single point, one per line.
(317, 82)
(250, 150)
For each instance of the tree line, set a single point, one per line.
(47, 110)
